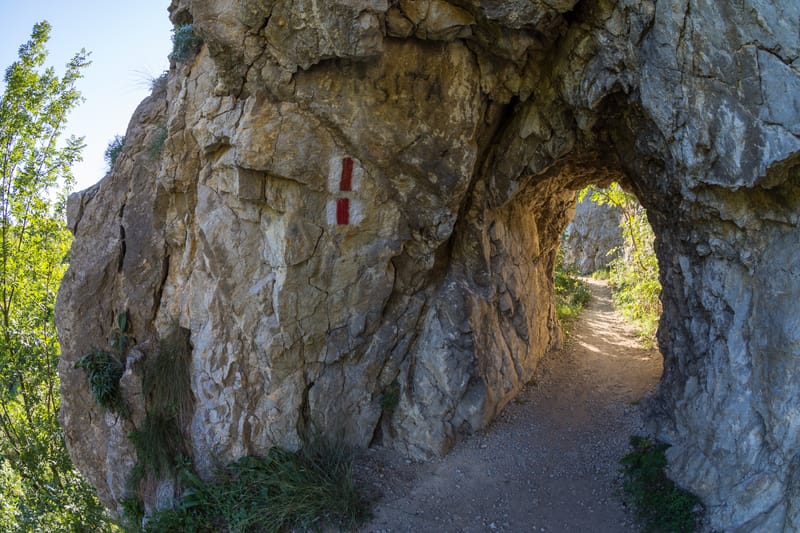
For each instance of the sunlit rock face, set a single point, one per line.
(593, 238)
(358, 199)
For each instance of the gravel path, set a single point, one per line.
(550, 462)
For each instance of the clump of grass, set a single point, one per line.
(159, 83)
(166, 385)
(158, 442)
(167, 378)
(572, 294)
(156, 146)
(113, 150)
(185, 43)
(278, 492)
(661, 506)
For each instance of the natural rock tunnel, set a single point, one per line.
(366, 197)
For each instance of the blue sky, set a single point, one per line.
(129, 43)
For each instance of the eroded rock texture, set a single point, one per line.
(461, 129)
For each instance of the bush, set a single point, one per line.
(281, 491)
(113, 150)
(103, 370)
(185, 44)
(572, 294)
(658, 502)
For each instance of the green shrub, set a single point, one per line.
(185, 44)
(156, 146)
(279, 492)
(103, 370)
(661, 506)
(572, 294)
(113, 150)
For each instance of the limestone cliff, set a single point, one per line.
(363, 197)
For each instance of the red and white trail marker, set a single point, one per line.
(344, 177)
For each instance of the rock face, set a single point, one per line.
(593, 238)
(364, 197)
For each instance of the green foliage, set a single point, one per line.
(572, 294)
(113, 150)
(660, 505)
(104, 371)
(159, 440)
(40, 489)
(156, 146)
(185, 44)
(279, 492)
(132, 513)
(167, 380)
(634, 274)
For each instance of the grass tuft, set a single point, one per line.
(104, 369)
(660, 505)
(113, 150)
(158, 442)
(278, 492)
(167, 378)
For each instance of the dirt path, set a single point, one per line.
(550, 461)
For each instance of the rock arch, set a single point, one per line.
(368, 198)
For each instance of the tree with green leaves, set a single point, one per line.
(40, 490)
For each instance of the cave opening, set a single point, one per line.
(609, 238)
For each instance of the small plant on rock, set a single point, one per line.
(104, 368)
(166, 386)
(113, 150)
(661, 506)
(185, 43)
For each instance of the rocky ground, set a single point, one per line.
(550, 462)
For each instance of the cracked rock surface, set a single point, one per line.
(357, 198)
